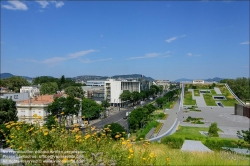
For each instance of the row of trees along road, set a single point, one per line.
(141, 116)
(240, 87)
(134, 97)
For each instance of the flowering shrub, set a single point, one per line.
(37, 144)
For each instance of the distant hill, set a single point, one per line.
(8, 75)
(93, 77)
(217, 79)
(133, 76)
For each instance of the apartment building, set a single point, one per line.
(113, 89)
(31, 90)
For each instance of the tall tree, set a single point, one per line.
(105, 104)
(48, 88)
(90, 109)
(8, 113)
(75, 91)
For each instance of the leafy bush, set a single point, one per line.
(115, 128)
(173, 142)
(213, 130)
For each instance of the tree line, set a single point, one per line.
(134, 97)
(240, 87)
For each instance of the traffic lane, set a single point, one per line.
(114, 118)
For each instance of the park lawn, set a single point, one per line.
(228, 102)
(213, 92)
(209, 100)
(196, 92)
(188, 100)
(213, 143)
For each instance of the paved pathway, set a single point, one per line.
(217, 90)
(190, 145)
(199, 99)
(172, 115)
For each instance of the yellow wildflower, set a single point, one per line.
(117, 136)
(123, 142)
(143, 158)
(87, 136)
(20, 148)
(62, 113)
(64, 160)
(45, 133)
(131, 150)
(8, 126)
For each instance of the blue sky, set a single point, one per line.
(163, 39)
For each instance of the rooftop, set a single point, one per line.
(43, 99)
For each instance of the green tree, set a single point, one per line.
(75, 91)
(14, 83)
(44, 79)
(116, 128)
(245, 134)
(105, 104)
(160, 101)
(125, 96)
(135, 96)
(8, 113)
(63, 107)
(136, 117)
(213, 130)
(90, 109)
(48, 88)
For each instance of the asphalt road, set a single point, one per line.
(118, 118)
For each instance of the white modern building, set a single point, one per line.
(164, 83)
(114, 88)
(198, 81)
(95, 83)
(31, 90)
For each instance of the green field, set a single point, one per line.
(208, 97)
(188, 99)
(196, 92)
(209, 100)
(214, 143)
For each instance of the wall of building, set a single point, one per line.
(242, 110)
(16, 96)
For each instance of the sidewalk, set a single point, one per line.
(172, 115)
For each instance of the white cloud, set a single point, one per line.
(81, 53)
(59, 4)
(15, 5)
(43, 3)
(55, 60)
(193, 55)
(174, 38)
(151, 55)
(98, 60)
(171, 39)
(247, 42)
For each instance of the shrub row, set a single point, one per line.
(173, 142)
(158, 128)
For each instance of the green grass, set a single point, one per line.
(143, 132)
(209, 100)
(214, 143)
(188, 100)
(213, 92)
(196, 92)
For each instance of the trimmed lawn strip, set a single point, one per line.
(213, 143)
(196, 92)
(213, 92)
(209, 100)
(188, 99)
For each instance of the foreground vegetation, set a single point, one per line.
(98, 148)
